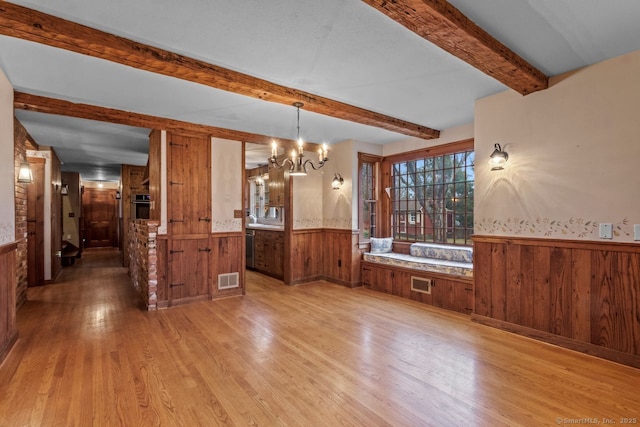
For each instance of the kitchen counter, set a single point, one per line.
(265, 227)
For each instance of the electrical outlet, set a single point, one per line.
(339, 263)
(606, 230)
(238, 213)
(636, 232)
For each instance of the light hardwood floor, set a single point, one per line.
(311, 355)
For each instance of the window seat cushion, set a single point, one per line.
(422, 263)
(462, 254)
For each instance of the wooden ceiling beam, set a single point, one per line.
(28, 24)
(445, 26)
(41, 104)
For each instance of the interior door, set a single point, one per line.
(189, 261)
(35, 224)
(100, 217)
(189, 190)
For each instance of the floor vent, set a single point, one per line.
(228, 280)
(420, 284)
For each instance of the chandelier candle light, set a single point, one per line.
(298, 166)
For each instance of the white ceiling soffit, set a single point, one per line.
(557, 36)
(95, 150)
(340, 49)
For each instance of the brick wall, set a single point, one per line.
(143, 260)
(21, 144)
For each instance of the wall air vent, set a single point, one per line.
(420, 284)
(228, 281)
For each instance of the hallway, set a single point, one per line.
(313, 355)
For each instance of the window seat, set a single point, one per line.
(431, 257)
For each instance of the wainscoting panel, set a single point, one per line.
(582, 295)
(8, 331)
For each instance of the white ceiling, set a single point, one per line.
(340, 49)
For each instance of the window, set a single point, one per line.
(368, 195)
(432, 197)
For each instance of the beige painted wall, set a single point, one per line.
(574, 151)
(337, 204)
(7, 167)
(226, 184)
(308, 197)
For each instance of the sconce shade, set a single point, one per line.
(64, 190)
(498, 158)
(337, 181)
(25, 175)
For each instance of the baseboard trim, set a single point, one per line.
(568, 343)
(6, 348)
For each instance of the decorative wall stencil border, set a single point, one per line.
(307, 223)
(39, 154)
(341, 223)
(7, 233)
(574, 227)
(234, 224)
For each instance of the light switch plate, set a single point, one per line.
(606, 230)
(636, 232)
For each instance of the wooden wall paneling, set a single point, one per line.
(401, 284)
(177, 205)
(155, 164)
(541, 288)
(560, 286)
(132, 177)
(189, 263)
(527, 286)
(8, 330)
(340, 256)
(200, 161)
(189, 181)
(581, 294)
(625, 301)
(601, 304)
(224, 259)
(482, 274)
(356, 259)
(498, 281)
(383, 279)
(308, 255)
(513, 284)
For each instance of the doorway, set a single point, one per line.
(100, 220)
(35, 224)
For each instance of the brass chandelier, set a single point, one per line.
(297, 163)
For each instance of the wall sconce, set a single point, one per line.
(337, 181)
(25, 176)
(498, 158)
(118, 195)
(64, 190)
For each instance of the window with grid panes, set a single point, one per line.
(368, 196)
(432, 198)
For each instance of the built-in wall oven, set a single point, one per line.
(140, 204)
